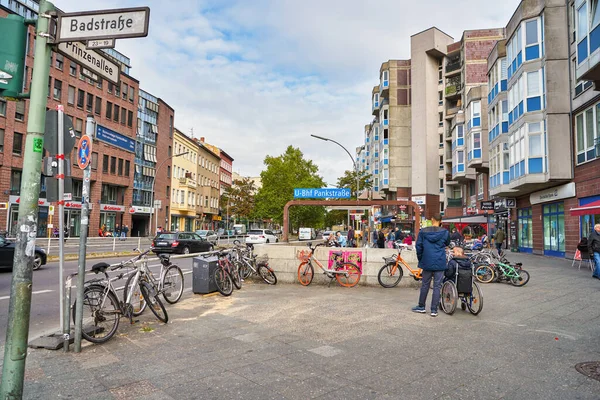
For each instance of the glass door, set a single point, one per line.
(554, 229)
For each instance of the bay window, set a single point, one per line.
(587, 127)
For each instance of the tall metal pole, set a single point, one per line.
(349, 155)
(85, 212)
(60, 156)
(152, 196)
(19, 309)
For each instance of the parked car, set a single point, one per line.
(256, 236)
(210, 236)
(7, 254)
(180, 242)
(307, 234)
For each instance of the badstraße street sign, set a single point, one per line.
(92, 60)
(103, 24)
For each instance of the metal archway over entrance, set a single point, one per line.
(286, 209)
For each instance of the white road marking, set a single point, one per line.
(36, 292)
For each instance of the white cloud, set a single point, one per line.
(256, 76)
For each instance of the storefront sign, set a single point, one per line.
(112, 207)
(217, 218)
(116, 139)
(75, 205)
(17, 200)
(420, 200)
(552, 194)
(140, 210)
(487, 205)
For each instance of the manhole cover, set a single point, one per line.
(590, 369)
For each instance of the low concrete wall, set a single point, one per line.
(284, 261)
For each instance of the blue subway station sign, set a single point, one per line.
(109, 136)
(325, 193)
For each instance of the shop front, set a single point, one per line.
(13, 216)
(140, 221)
(588, 212)
(73, 217)
(525, 230)
(110, 216)
(182, 223)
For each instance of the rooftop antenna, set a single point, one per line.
(192, 131)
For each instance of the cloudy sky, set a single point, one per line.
(253, 77)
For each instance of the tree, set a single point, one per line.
(282, 175)
(239, 197)
(348, 180)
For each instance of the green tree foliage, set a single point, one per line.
(239, 197)
(348, 180)
(283, 174)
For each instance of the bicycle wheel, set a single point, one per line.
(267, 274)
(100, 316)
(390, 275)
(235, 275)
(484, 274)
(522, 279)
(156, 306)
(138, 304)
(172, 284)
(449, 297)
(475, 299)
(305, 274)
(223, 282)
(351, 277)
(245, 271)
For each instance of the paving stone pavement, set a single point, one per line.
(293, 342)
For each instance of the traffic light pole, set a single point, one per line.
(17, 332)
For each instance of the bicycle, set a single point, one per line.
(223, 276)
(100, 302)
(249, 264)
(516, 275)
(391, 273)
(347, 274)
(170, 283)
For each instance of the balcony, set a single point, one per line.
(375, 109)
(588, 66)
(453, 67)
(451, 111)
(475, 159)
(455, 202)
(453, 90)
(189, 182)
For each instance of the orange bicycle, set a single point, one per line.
(346, 273)
(391, 273)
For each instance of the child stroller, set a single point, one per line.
(461, 286)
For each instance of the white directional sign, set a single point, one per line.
(103, 24)
(101, 44)
(91, 60)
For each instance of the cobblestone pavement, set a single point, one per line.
(293, 342)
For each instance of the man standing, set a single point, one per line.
(499, 239)
(374, 238)
(350, 237)
(124, 231)
(594, 248)
(431, 253)
(117, 232)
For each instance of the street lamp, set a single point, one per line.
(350, 155)
(152, 192)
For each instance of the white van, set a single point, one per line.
(307, 234)
(239, 229)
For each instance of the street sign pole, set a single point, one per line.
(85, 212)
(60, 156)
(19, 309)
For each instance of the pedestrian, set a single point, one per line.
(341, 240)
(351, 238)
(365, 237)
(124, 231)
(381, 239)
(431, 253)
(391, 239)
(594, 249)
(456, 237)
(399, 235)
(408, 240)
(65, 233)
(117, 231)
(499, 240)
(374, 238)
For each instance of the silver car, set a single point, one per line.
(210, 236)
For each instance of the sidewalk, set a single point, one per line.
(293, 342)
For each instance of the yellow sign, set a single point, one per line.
(50, 210)
(216, 218)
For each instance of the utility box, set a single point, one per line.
(203, 272)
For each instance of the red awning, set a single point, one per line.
(588, 209)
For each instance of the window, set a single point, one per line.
(20, 110)
(90, 102)
(125, 91)
(535, 140)
(123, 115)
(80, 98)
(78, 126)
(71, 95)
(127, 167)
(116, 113)
(120, 167)
(441, 185)
(480, 185)
(108, 110)
(113, 165)
(168, 191)
(105, 164)
(58, 61)
(17, 144)
(168, 171)
(72, 68)
(169, 152)
(440, 98)
(1, 140)
(531, 32)
(587, 127)
(441, 162)
(94, 161)
(99, 83)
(441, 119)
(110, 87)
(98, 106)
(582, 31)
(2, 107)
(15, 182)
(131, 94)
(117, 90)
(57, 89)
(130, 119)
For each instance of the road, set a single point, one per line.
(45, 298)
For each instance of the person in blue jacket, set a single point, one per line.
(431, 253)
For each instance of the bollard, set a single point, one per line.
(48, 250)
(139, 242)
(67, 316)
(114, 242)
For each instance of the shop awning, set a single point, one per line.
(588, 209)
(467, 219)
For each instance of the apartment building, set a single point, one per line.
(186, 206)
(209, 169)
(113, 108)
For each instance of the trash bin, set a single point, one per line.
(202, 274)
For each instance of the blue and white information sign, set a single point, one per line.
(325, 193)
(109, 136)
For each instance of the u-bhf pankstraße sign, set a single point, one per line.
(103, 24)
(325, 193)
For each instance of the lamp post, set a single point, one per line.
(349, 155)
(152, 190)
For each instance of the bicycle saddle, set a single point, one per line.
(100, 267)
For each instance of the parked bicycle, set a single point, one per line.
(170, 283)
(102, 309)
(347, 274)
(391, 273)
(249, 263)
(226, 276)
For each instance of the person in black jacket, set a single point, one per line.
(458, 260)
(381, 239)
(594, 248)
(456, 237)
(431, 253)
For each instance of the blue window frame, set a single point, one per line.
(554, 229)
(525, 221)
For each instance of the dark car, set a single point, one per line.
(7, 254)
(180, 242)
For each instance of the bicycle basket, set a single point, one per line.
(303, 255)
(263, 259)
